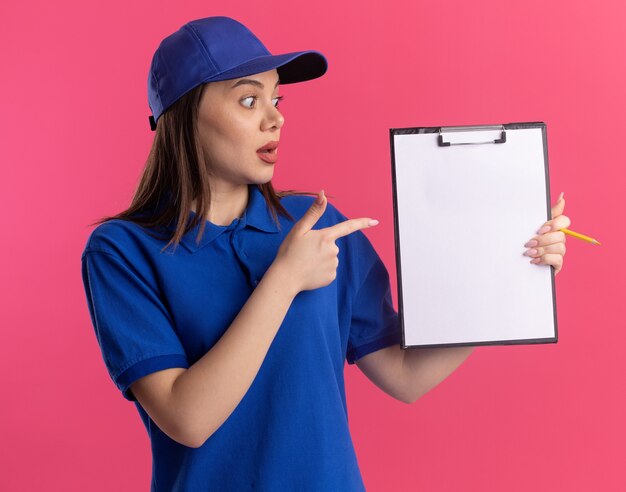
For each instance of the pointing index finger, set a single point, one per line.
(349, 226)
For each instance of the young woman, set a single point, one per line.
(232, 347)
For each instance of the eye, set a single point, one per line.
(254, 98)
(246, 98)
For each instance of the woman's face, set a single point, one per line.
(235, 118)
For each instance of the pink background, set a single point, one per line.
(74, 135)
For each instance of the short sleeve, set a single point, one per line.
(133, 327)
(375, 323)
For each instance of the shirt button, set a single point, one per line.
(256, 282)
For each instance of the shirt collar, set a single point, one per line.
(255, 215)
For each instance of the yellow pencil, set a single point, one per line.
(579, 236)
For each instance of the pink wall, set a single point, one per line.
(74, 135)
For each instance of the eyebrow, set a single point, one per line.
(252, 82)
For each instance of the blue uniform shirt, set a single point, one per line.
(153, 311)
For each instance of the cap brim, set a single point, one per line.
(292, 67)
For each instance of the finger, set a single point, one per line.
(312, 215)
(560, 222)
(347, 227)
(558, 248)
(558, 207)
(547, 238)
(555, 260)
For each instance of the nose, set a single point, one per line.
(273, 118)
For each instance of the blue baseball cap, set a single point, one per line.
(218, 48)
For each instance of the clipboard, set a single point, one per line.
(466, 199)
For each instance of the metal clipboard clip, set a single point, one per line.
(449, 130)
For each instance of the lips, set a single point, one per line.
(269, 152)
(269, 146)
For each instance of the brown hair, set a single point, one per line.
(176, 173)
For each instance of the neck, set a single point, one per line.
(226, 205)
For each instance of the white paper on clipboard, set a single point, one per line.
(462, 216)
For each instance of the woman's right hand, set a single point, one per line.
(310, 257)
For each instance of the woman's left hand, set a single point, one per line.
(548, 248)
